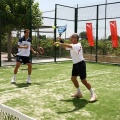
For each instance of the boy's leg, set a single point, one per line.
(29, 72)
(15, 72)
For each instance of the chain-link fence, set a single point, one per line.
(100, 17)
(13, 20)
(64, 16)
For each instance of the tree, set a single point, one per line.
(109, 37)
(83, 35)
(15, 15)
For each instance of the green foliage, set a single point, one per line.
(117, 51)
(48, 47)
(16, 14)
(86, 48)
(36, 16)
(104, 46)
(83, 35)
(109, 37)
(3, 43)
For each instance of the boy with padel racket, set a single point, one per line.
(23, 55)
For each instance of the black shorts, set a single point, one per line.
(23, 59)
(79, 69)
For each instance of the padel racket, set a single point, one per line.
(40, 50)
(61, 40)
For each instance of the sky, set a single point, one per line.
(49, 5)
(46, 5)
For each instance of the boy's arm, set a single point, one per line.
(33, 51)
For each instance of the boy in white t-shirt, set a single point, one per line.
(23, 55)
(79, 65)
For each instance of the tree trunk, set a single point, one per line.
(9, 40)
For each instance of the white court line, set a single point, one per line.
(60, 81)
(99, 73)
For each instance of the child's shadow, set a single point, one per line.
(77, 103)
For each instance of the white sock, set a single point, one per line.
(28, 76)
(78, 90)
(91, 91)
(14, 75)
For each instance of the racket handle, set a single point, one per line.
(61, 41)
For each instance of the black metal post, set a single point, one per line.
(76, 19)
(97, 32)
(0, 38)
(30, 18)
(30, 23)
(105, 16)
(105, 37)
(55, 24)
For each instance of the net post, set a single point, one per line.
(30, 24)
(97, 15)
(76, 19)
(0, 37)
(55, 24)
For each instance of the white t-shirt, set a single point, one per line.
(76, 53)
(24, 51)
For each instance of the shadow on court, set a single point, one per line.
(27, 68)
(77, 103)
(22, 85)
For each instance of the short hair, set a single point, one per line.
(26, 30)
(75, 35)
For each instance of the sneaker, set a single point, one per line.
(77, 95)
(28, 80)
(13, 80)
(93, 98)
